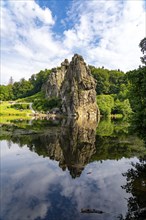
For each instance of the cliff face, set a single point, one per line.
(78, 90)
(53, 85)
(74, 84)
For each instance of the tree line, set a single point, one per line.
(111, 89)
(23, 88)
(108, 82)
(117, 92)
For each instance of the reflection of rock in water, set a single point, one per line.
(73, 145)
(78, 145)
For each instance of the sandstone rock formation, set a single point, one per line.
(78, 90)
(75, 86)
(53, 85)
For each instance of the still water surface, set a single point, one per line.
(58, 173)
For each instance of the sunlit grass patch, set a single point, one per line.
(7, 110)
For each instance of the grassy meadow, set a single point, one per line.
(9, 113)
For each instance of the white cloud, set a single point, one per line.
(40, 180)
(105, 33)
(28, 44)
(120, 26)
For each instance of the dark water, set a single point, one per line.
(57, 172)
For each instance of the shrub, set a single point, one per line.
(20, 106)
(45, 104)
(105, 104)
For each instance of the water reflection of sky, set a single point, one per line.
(33, 187)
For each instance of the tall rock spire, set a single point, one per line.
(78, 90)
(55, 79)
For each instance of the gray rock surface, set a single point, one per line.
(78, 90)
(75, 86)
(53, 85)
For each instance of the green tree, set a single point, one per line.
(137, 93)
(116, 79)
(37, 80)
(105, 104)
(108, 81)
(135, 186)
(6, 92)
(142, 45)
(11, 81)
(22, 89)
(102, 79)
(122, 107)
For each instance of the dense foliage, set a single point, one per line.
(6, 92)
(24, 88)
(112, 91)
(108, 81)
(21, 89)
(137, 93)
(45, 104)
(37, 80)
(105, 104)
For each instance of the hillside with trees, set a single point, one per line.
(117, 92)
(111, 90)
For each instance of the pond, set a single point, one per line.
(69, 170)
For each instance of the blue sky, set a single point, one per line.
(59, 9)
(40, 34)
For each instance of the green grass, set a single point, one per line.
(39, 95)
(7, 110)
(41, 103)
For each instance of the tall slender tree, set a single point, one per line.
(142, 45)
(11, 81)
